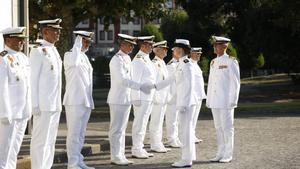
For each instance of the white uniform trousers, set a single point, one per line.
(156, 125)
(172, 123)
(223, 120)
(77, 120)
(11, 137)
(119, 115)
(42, 145)
(196, 116)
(186, 134)
(139, 126)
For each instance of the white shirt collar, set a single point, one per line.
(10, 50)
(46, 43)
(183, 57)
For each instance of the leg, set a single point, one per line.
(119, 115)
(6, 133)
(228, 120)
(77, 117)
(156, 126)
(187, 134)
(217, 115)
(42, 146)
(19, 130)
(172, 123)
(195, 117)
(85, 119)
(141, 117)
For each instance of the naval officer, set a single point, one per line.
(119, 99)
(171, 110)
(199, 86)
(15, 96)
(160, 98)
(78, 99)
(143, 71)
(46, 82)
(186, 102)
(222, 97)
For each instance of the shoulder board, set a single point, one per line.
(170, 62)
(37, 45)
(154, 60)
(138, 56)
(3, 53)
(186, 61)
(234, 58)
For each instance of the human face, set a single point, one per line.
(15, 43)
(195, 56)
(85, 44)
(177, 52)
(160, 52)
(220, 48)
(146, 47)
(126, 47)
(51, 35)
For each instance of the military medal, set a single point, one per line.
(11, 60)
(45, 52)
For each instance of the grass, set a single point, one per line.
(277, 78)
(260, 98)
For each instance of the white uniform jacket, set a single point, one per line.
(224, 83)
(160, 96)
(171, 67)
(185, 83)
(121, 82)
(143, 71)
(199, 81)
(79, 79)
(46, 72)
(15, 91)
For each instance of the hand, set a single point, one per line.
(36, 111)
(146, 88)
(181, 108)
(5, 121)
(78, 42)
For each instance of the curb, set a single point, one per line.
(61, 154)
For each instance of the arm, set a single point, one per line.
(234, 83)
(5, 109)
(35, 70)
(117, 66)
(72, 58)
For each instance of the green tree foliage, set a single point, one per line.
(268, 26)
(74, 11)
(173, 24)
(204, 65)
(260, 61)
(151, 29)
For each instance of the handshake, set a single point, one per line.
(147, 87)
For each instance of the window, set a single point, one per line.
(101, 20)
(110, 35)
(125, 32)
(136, 20)
(136, 33)
(85, 22)
(102, 35)
(124, 21)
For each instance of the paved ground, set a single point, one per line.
(269, 141)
